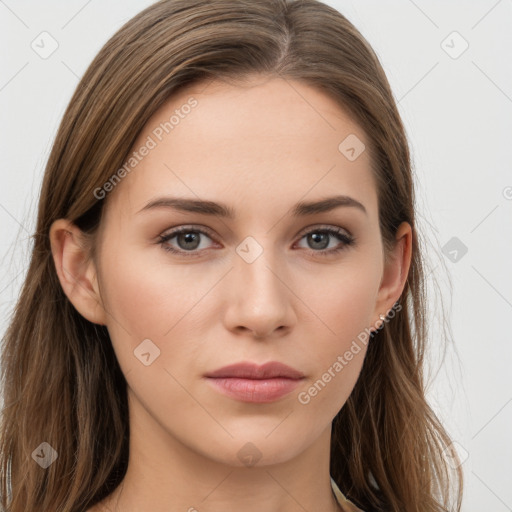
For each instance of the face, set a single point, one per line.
(190, 289)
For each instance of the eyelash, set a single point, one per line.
(347, 240)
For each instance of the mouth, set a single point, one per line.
(248, 382)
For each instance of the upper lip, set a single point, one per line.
(248, 370)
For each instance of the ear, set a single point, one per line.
(396, 270)
(76, 272)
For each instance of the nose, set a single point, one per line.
(259, 299)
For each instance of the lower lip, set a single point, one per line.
(254, 390)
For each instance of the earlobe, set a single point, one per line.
(395, 272)
(77, 274)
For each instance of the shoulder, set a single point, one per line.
(345, 504)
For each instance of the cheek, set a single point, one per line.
(147, 297)
(340, 305)
(167, 304)
(342, 300)
(133, 292)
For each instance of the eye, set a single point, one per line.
(187, 238)
(319, 240)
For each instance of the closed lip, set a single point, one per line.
(249, 370)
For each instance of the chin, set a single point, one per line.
(258, 448)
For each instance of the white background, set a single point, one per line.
(458, 116)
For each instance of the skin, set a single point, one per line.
(260, 148)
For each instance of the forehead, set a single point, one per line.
(269, 141)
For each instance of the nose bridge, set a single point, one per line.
(259, 300)
(257, 270)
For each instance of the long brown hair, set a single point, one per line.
(61, 381)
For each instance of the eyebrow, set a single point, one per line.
(204, 207)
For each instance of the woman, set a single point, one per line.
(225, 304)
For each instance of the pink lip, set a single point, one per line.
(249, 382)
